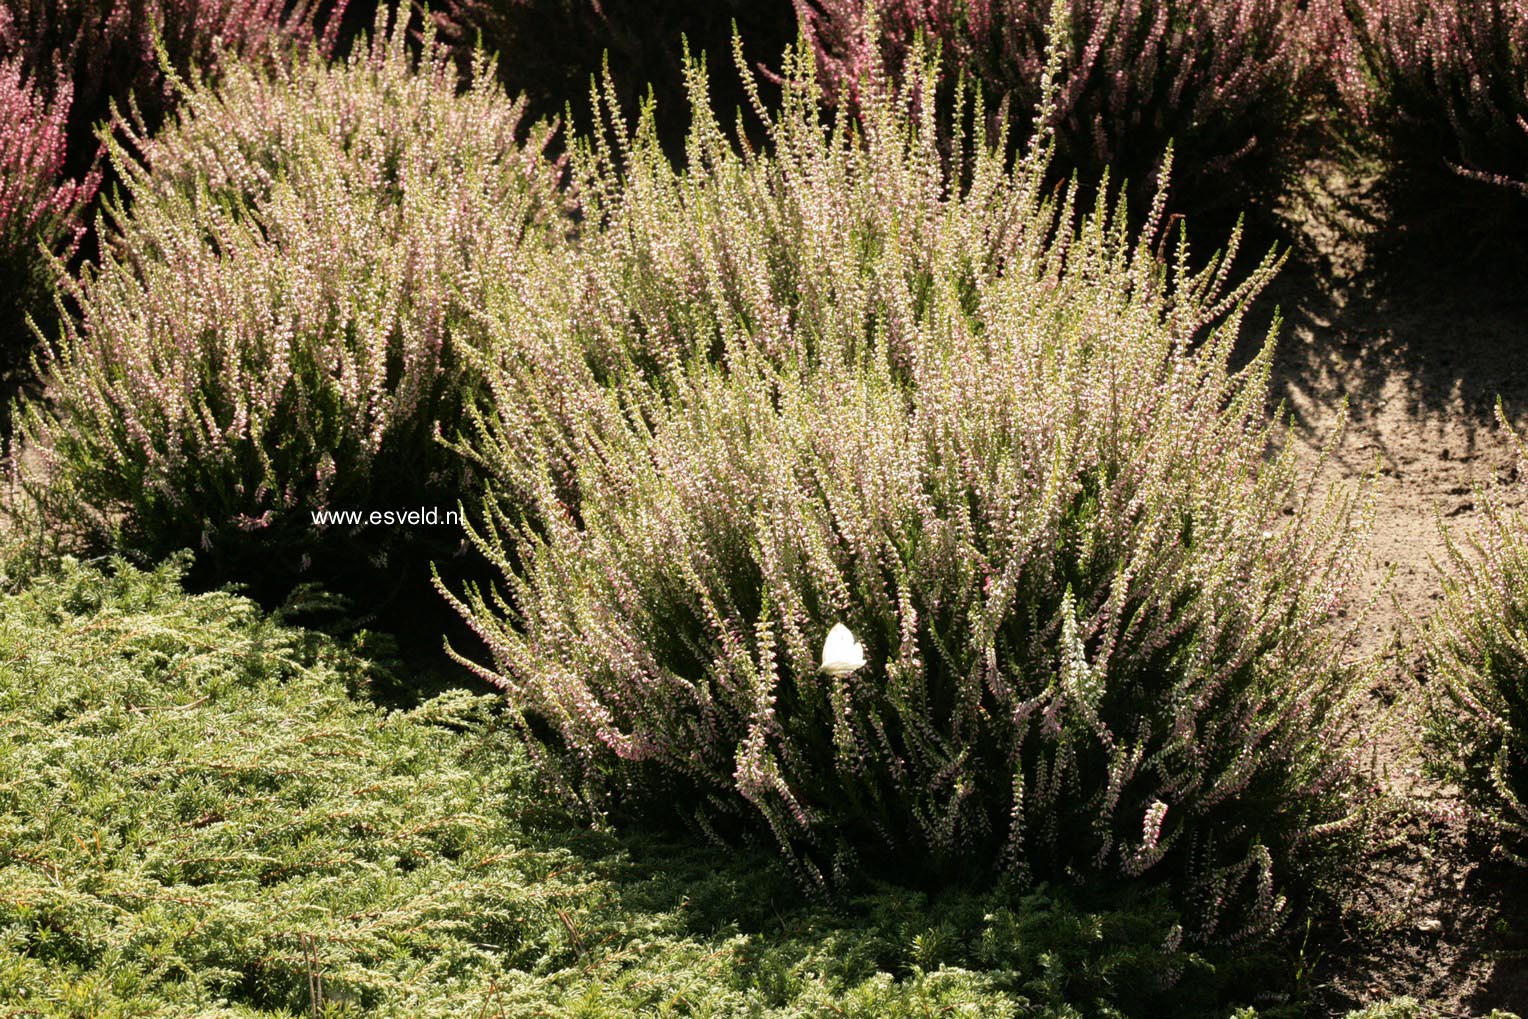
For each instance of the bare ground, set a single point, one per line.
(1419, 341)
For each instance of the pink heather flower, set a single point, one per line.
(1442, 82)
(862, 375)
(105, 48)
(1225, 82)
(305, 260)
(38, 209)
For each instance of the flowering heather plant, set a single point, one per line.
(277, 322)
(40, 212)
(776, 393)
(1448, 84)
(34, 207)
(1477, 728)
(82, 57)
(106, 49)
(1226, 83)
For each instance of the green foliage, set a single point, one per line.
(1477, 725)
(199, 816)
(1396, 1008)
(276, 327)
(1404, 1007)
(849, 381)
(25, 547)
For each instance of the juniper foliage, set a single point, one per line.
(201, 814)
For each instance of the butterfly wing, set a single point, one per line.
(841, 652)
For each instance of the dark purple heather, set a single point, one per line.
(1227, 83)
(1446, 83)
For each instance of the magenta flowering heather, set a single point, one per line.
(41, 212)
(1226, 83)
(36, 205)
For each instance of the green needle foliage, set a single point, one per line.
(198, 816)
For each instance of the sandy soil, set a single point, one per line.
(1420, 341)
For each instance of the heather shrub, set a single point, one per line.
(26, 549)
(1477, 725)
(40, 212)
(276, 327)
(1446, 85)
(550, 50)
(999, 442)
(85, 59)
(1227, 84)
(104, 51)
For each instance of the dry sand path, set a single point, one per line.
(1420, 349)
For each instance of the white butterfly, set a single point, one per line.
(841, 652)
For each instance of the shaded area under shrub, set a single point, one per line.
(553, 50)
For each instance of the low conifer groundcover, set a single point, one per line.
(201, 813)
